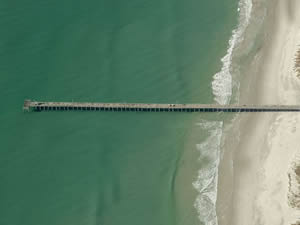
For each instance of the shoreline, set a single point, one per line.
(259, 151)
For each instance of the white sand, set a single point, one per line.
(257, 173)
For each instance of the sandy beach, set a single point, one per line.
(258, 182)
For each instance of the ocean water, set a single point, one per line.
(113, 168)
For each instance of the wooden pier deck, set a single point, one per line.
(136, 107)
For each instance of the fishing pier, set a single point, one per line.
(37, 106)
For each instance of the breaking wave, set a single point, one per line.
(207, 179)
(222, 81)
(206, 183)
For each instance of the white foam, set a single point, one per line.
(222, 81)
(207, 179)
(206, 183)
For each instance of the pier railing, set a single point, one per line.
(141, 107)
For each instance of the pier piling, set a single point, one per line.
(141, 107)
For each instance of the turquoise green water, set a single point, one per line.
(105, 168)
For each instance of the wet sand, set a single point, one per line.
(258, 181)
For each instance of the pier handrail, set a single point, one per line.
(153, 107)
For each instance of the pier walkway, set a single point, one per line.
(135, 107)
